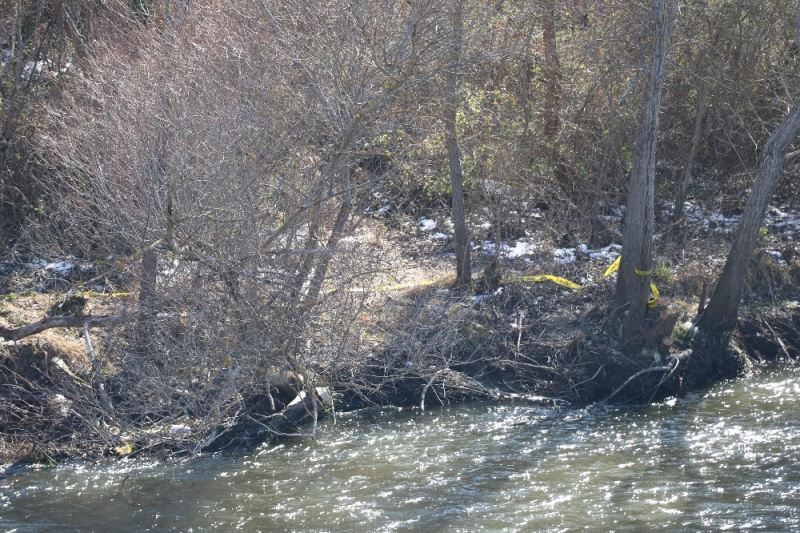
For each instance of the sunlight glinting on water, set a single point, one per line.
(728, 458)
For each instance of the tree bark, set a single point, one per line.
(145, 319)
(633, 283)
(722, 311)
(797, 25)
(463, 265)
(552, 70)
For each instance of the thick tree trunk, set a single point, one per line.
(633, 283)
(721, 314)
(463, 265)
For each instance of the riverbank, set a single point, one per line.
(66, 392)
(725, 457)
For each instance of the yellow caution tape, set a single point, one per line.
(536, 278)
(549, 277)
(124, 449)
(403, 286)
(655, 294)
(653, 300)
(613, 267)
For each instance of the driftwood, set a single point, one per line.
(85, 322)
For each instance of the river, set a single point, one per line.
(726, 458)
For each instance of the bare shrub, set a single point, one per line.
(217, 151)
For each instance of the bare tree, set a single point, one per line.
(463, 263)
(633, 284)
(719, 318)
(224, 171)
(40, 44)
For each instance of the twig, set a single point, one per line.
(278, 433)
(427, 386)
(575, 386)
(636, 375)
(665, 378)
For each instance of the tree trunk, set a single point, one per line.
(797, 25)
(633, 283)
(321, 269)
(722, 311)
(526, 63)
(463, 266)
(147, 301)
(686, 175)
(552, 70)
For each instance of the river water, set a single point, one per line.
(727, 458)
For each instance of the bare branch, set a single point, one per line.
(15, 334)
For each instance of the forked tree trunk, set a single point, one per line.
(463, 265)
(633, 283)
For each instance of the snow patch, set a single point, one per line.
(426, 224)
(608, 253)
(520, 249)
(62, 267)
(564, 256)
(777, 256)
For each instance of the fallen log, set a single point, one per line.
(15, 334)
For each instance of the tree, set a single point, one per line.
(633, 283)
(40, 45)
(226, 169)
(463, 264)
(719, 318)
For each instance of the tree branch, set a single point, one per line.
(15, 334)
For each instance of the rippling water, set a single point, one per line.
(725, 459)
